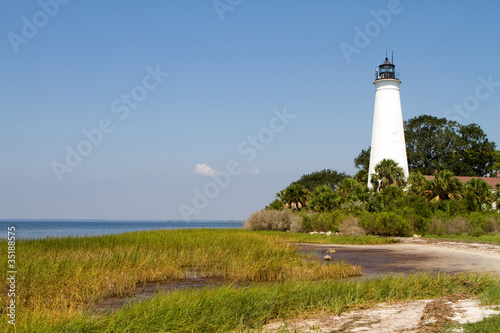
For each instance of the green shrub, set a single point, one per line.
(419, 223)
(478, 232)
(452, 207)
(328, 221)
(492, 224)
(476, 224)
(450, 226)
(386, 224)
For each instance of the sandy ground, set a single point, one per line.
(392, 317)
(414, 255)
(411, 255)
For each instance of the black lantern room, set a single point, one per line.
(386, 71)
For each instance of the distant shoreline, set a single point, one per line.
(39, 229)
(120, 220)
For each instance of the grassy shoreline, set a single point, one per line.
(330, 239)
(60, 279)
(488, 238)
(227, 308)
(63, 276)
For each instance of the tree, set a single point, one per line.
(324, 177)
(277, 204)
(351, 189)
(444, 186)
(418, 184)
(496, 166)
(478, 194)
(477, 154)
(496, 198)
(437, 143)
(361, 176)
(362, 161)
(353, 193)
(294, 196)
(431, 143)
(324, 199)
(387, 172)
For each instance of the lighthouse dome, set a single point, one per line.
(386, 71)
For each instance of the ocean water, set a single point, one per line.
(61, 228)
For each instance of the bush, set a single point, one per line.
(478, 232)
(277, 220)
(322, 221)
(476, 224)
(419, 224)
(449, 226)
(296, 225)
(492, 224)
(386, 224)
(351, 227)
(452, 207)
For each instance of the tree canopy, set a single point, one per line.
(324, 177)
(437, 144)
(387, 173)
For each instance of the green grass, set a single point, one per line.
(62, 276)
(491, 324)
(489, 296)
(330, 239)
(488, 238)
(229, 308)
(59, 280)
(488, 325)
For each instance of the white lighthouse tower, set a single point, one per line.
(388, 137)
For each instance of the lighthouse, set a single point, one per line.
(388, 137)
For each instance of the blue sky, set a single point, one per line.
(202, 79)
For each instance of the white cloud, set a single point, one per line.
(254, 172)
(204, 170)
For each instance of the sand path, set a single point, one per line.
(414, 255)
(411, 255)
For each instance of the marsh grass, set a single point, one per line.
(330, 239)
(63, 276)
(488, 325)
(59, 280)
(488, 238)
(240, 309)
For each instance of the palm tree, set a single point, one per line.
(324, 199)
(294, 196)
(497, 196)
(354, 194)
(418, 184)
(444, 186)
(388, 172)
(478, 193)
